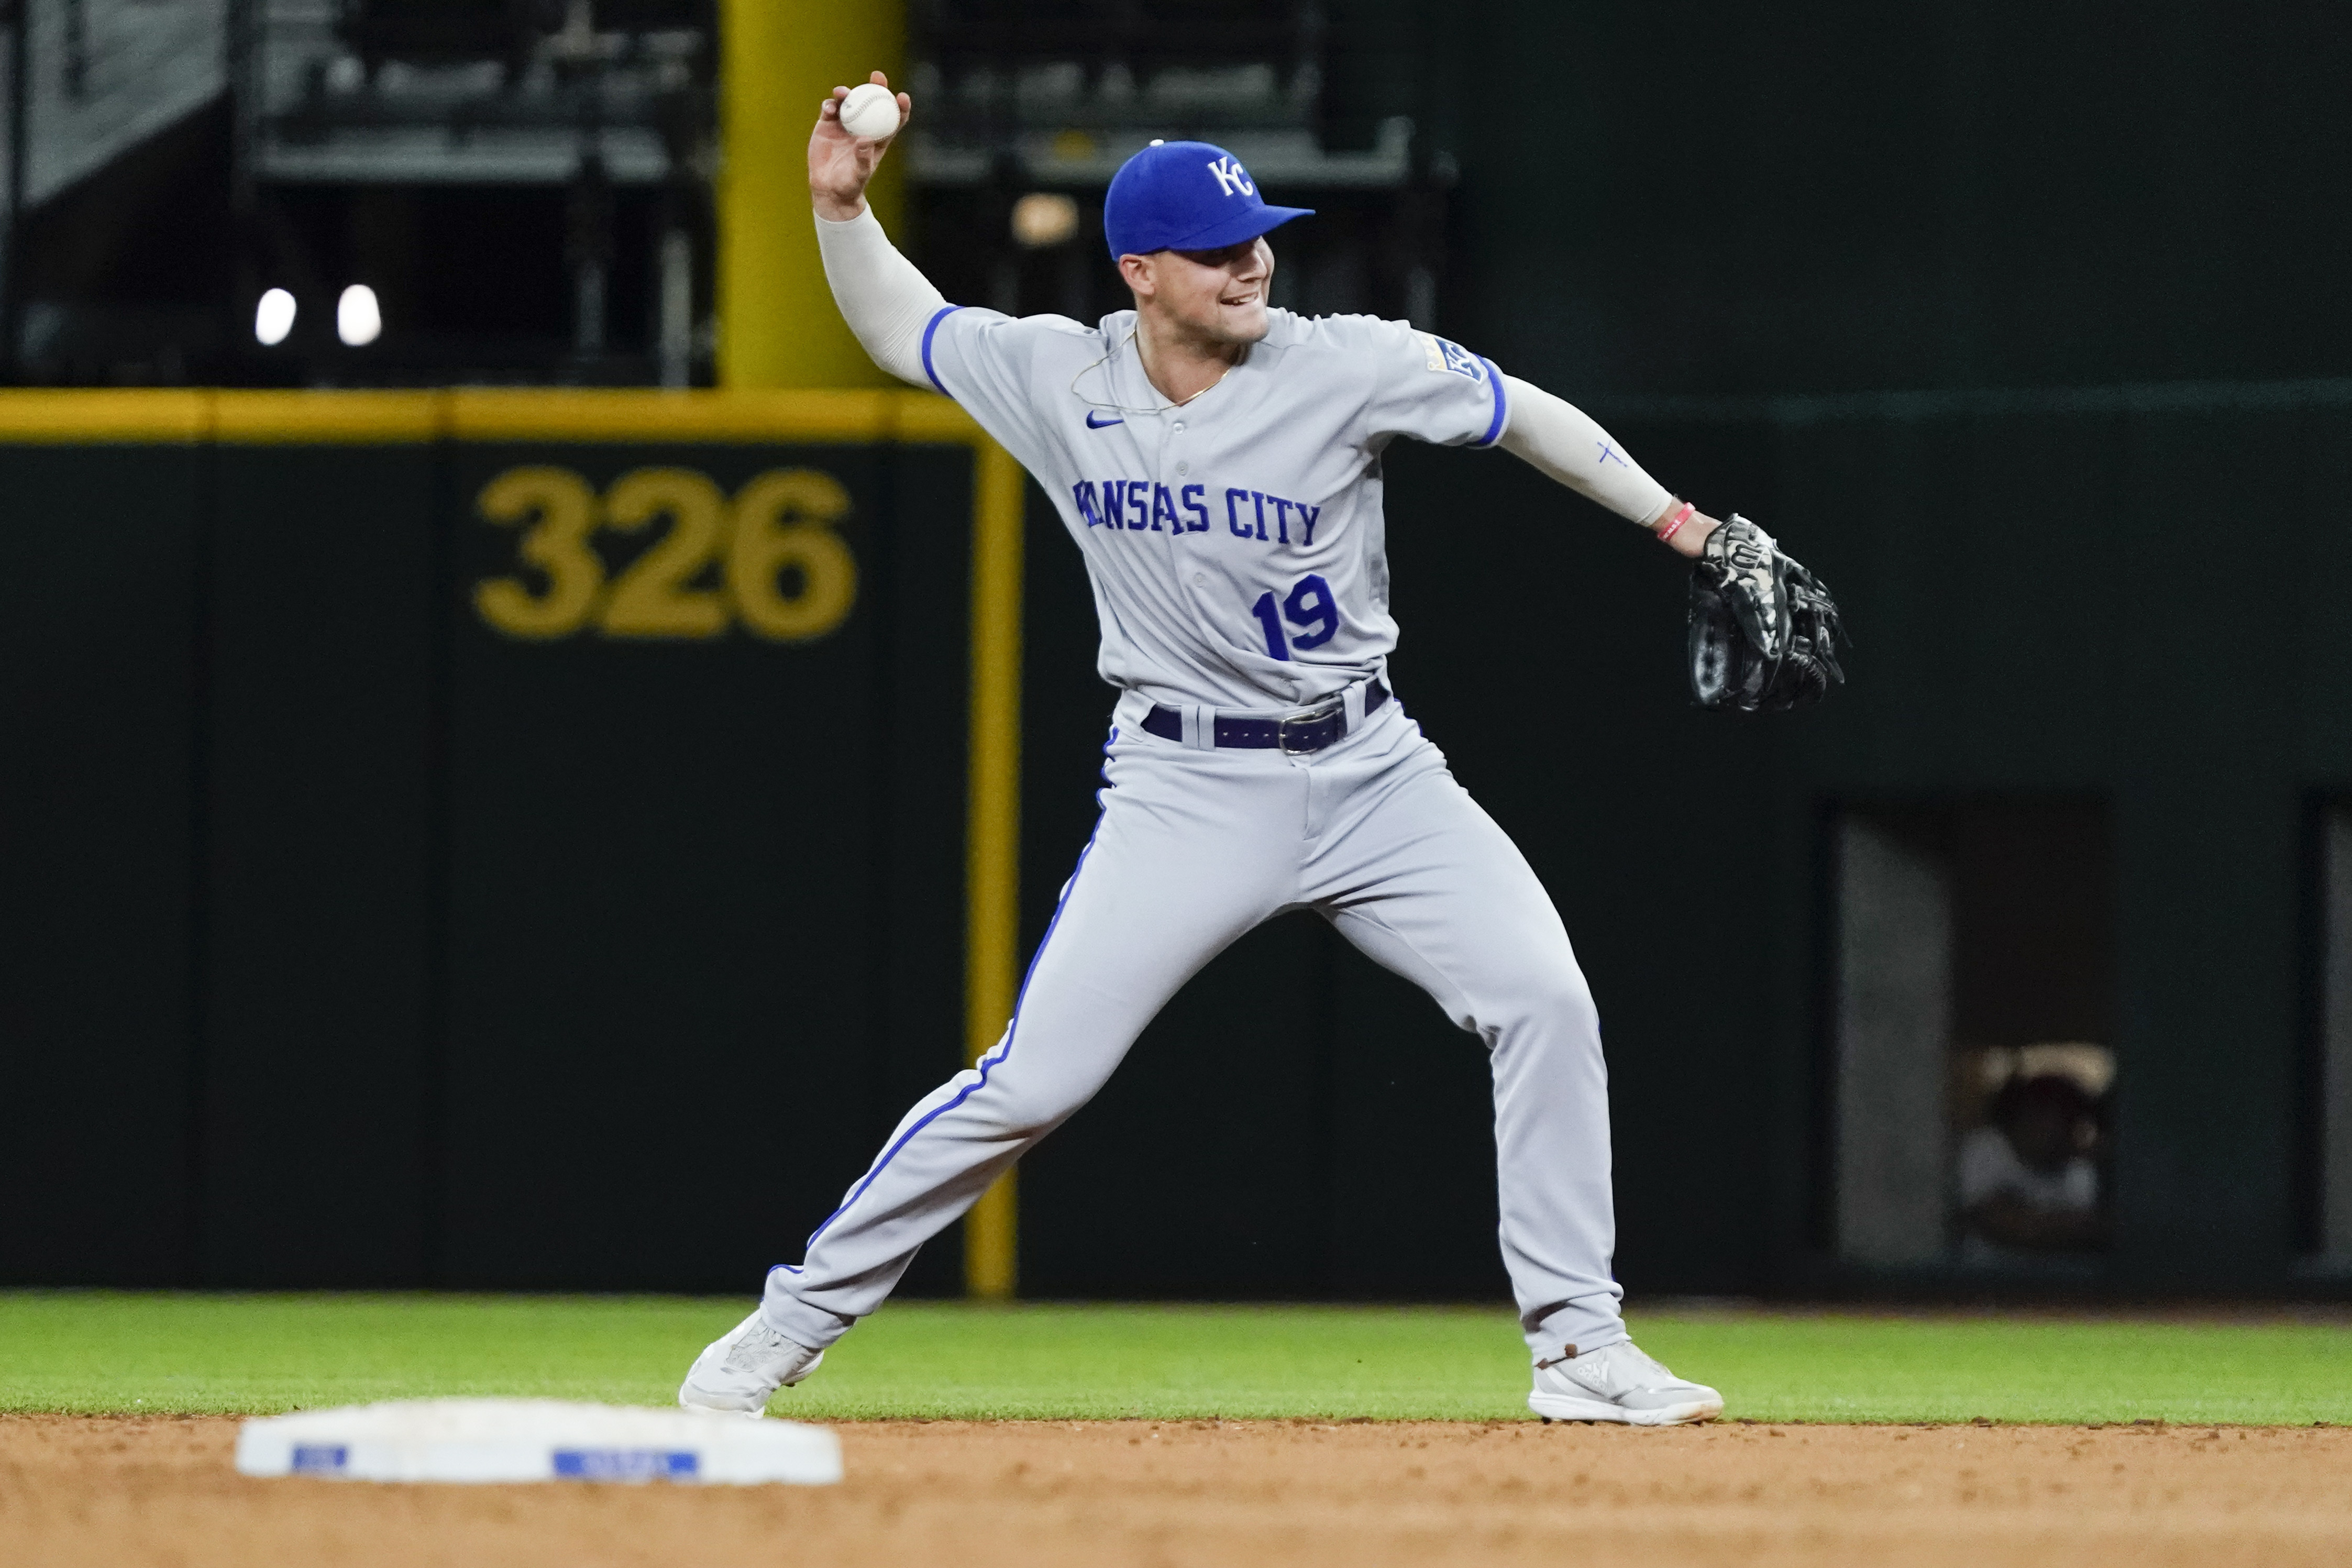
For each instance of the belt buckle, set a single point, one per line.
(1282, 729)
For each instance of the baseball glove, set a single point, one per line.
(1762, 628)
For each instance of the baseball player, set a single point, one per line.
(1218, 464)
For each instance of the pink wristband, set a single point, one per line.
(1681, 518)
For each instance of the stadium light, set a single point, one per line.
(358, 321)
(1043, 218)
(273, 318)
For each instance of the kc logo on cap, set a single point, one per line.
(1230, 176)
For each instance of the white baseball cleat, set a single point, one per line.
(737, 1370)
(1619, 1383)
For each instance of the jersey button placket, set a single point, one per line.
(1183, 466)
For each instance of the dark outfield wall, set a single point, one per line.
(353, 940)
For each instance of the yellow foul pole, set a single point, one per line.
(777, 61)
(993, 832)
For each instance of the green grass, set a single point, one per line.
(156, 1353)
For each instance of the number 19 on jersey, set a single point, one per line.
(1309, 607)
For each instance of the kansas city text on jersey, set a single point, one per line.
(1140, 506)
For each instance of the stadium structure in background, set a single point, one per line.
(361, 191)
(416, 191)
(2045, 971)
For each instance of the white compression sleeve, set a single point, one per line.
(883, 297)
(1562, 440)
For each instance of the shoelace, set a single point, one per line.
(760, 1346)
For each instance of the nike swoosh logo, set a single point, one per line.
(1094, 424)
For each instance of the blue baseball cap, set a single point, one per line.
(1185, 195)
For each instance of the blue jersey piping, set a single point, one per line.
(932, 327)
(1494, 427)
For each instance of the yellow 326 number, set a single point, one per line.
(781, 522)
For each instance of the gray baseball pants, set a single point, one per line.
(1194, 847)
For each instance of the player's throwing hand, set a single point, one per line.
(840, 163)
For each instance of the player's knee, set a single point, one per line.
(1557, 994)
(1032, 1109)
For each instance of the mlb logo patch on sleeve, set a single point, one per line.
(1453, 356)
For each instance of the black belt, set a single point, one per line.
(1308, 732)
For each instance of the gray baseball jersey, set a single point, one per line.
(1235, 543)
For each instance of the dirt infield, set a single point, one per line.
(95, 1492)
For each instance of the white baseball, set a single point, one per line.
(870, 112)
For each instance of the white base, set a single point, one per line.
(535, 1440)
